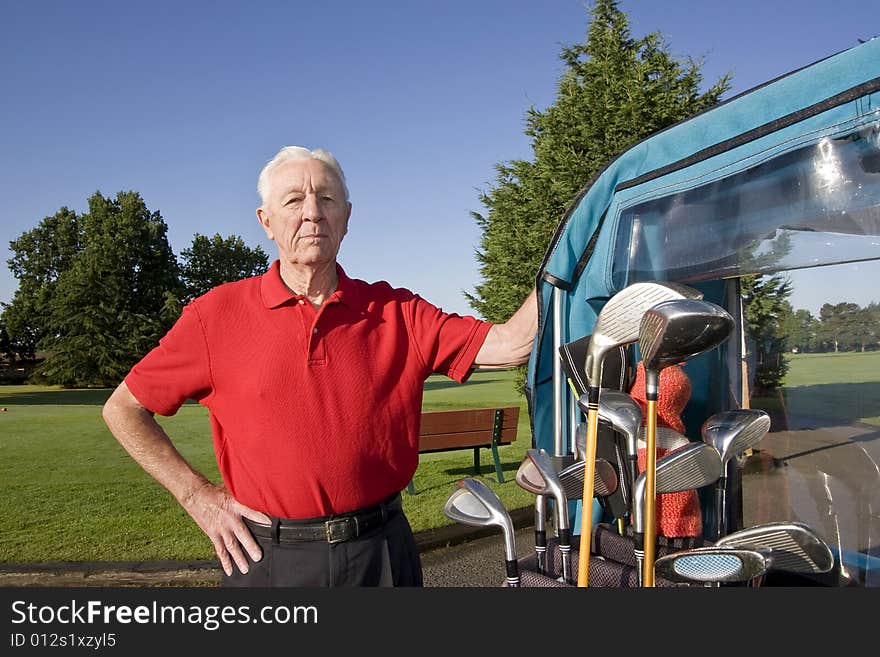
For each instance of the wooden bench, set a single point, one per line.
(470, 428)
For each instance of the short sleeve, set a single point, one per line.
(448, 343)
(176, 370)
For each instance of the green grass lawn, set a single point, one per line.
(839, 388)
(71, 493)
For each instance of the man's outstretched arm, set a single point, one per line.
(510, 343)
(211, 506)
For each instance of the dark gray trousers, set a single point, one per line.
(386, 556)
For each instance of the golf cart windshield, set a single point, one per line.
(808, 207)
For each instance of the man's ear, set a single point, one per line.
(263, 218)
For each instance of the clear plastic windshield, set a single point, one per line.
(808, 207)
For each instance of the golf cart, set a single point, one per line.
(779, 184)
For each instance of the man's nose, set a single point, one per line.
(311, 209)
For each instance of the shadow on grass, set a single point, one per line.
(449, 383)
(73, 397)
(825, 405)
(80, 396)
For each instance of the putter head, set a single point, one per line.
(677, 330)
(712, 564)
(794, 547)
(618, 322)
(537, 475)
(623, 413)
(733, 432)
(474, 503)
(688, 467)
(605, 480)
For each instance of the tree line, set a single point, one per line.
(841, 326)
(97, 290)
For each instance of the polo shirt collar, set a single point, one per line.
(275, 293)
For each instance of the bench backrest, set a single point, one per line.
(471, 427)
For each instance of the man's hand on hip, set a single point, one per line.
(219, 515)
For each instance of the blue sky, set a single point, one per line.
(185, 101)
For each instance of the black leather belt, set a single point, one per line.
(332, 529)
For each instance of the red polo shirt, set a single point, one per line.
(312, 412)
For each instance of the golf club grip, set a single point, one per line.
(639, 554)
(587, 498)
(649, 522)
(541, 551)
(565, 549)
(512, 566)
(720, 503)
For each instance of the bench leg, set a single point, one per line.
(410, 488)
(495, 457)
(476, 460)
(496, 436)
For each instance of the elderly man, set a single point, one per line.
(314, 385)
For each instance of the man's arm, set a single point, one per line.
(214, 510)
(510, 343)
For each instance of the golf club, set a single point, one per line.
(537, 475)
(713, 565)
(731, 433)
(671, 332)
(619, 466)
(571, 479)
(794, 546)
(624, 415)
(689, 467)
(474, 503)
(617, 324)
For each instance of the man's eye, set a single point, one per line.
(294, 200)
(326, 197)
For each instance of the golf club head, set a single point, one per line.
(733, 432)
(688, 467)
(623, 413)
(679, 329)
(666, 438)
(605, 479)
(618, 322)
(712, 565)
(537, 475)
(474, 503)
(794, 547)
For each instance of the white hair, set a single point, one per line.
(289, 153)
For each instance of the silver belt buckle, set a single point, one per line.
(334, 536)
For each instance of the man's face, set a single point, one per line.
(305, 212)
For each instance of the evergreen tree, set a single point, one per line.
(209, 262)
(40, 255)
(764, 299)
(107, 309)
(615, 91)
(800, 329)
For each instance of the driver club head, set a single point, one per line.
(679, 329)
